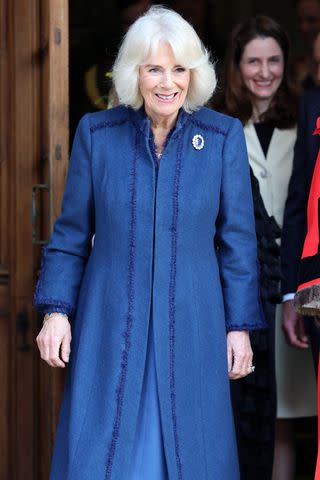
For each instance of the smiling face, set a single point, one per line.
(163, 84)
(262, 67)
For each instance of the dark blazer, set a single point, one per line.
(254, 397)
(295, 216)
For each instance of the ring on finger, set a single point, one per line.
(251, 368)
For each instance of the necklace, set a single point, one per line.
(159, 155)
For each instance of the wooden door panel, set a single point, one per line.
(24, 151)
(4, 372)
(52, 171)
(4, 250)
(33, 150)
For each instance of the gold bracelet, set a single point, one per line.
(48, 315)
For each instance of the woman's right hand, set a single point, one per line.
(293, 326)
(54, 340)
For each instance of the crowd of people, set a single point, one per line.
(175, 261)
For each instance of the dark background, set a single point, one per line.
(95, 34)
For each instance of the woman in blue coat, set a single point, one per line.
(161, 302)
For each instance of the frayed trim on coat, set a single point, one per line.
(107, 124)
(172, 303)
(46, 304)
(129, 317)
(50, 305)
(248, 327)
(307, 301)
(208, 127)
(37, 303)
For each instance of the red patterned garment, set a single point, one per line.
(307, 298)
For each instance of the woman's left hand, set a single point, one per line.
(239, 354)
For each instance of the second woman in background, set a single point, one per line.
(257, 91)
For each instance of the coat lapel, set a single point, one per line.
(255, 152)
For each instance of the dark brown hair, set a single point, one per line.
(234, 98)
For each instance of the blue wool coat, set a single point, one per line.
(176, 242)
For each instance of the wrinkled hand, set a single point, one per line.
(54, 340)
(239, 354)
(293, 327)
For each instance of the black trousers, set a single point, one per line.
(254, 406)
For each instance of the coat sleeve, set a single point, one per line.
(294, 221)
(236, 238)
(64, 258)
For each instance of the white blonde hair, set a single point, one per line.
(158, 25)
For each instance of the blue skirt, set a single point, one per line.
(148, 460)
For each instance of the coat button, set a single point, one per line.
(263, 174)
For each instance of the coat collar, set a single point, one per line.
(142, 121)
(254, 146)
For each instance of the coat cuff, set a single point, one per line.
(287, 297)
(247, 327)
(47, 305)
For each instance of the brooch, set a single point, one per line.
(198, 142)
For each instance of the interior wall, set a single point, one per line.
(227, 14)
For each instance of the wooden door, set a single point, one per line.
(33, 162)
(52, 169)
